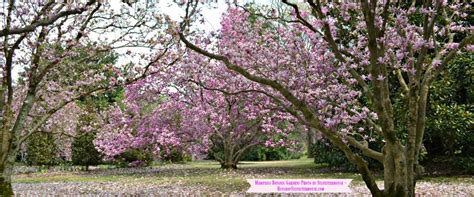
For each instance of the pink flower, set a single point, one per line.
(469, 48)
(452, 45)
(380, 77)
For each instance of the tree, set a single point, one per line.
(141, 125)
(450, 123)
(239, 116)
(20, 36)
(240, 122)
(42, 150)
(83, 149)
(344, 92)
(211, 106)
(93, 106)
(40, 39)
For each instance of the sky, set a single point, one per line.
(211, 14)
(212, 11)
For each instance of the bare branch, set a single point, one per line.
(32, 27)
(364, 147)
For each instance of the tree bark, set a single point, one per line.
(310, 141)
(5, 187)
(231, 157)
(227, 161)
(395, 172)
(228, 165)
(5, 179)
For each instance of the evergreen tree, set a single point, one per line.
(83, 149)
(42, 149)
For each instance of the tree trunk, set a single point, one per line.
(395, 171)
(5, 180)
(5, 188)
(310, 141)
(228, 162)
(6, 163)
(230, 165)
(9, 142)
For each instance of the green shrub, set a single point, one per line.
(256, 153)
(450, 117)
(175, 156)
(42, 149)
(262, 153)
(134, 158)
(84, 152)
(465, 164)
(325, 153)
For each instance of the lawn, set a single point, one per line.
(201, 176)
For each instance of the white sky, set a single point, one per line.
(211, 12)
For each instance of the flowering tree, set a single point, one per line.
(239, 115)
(41, 42)
(240, 121)
(185, 107)
(149, 128)
(330, 65)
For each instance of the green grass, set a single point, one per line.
(294, 163)
(450, 179)
(208, 174)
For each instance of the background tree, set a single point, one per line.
(42, 150)
(239, 116)
(450, 125)
(39, 39)
(83, 149)
(93, 106)
(325, 153)
(211, 106)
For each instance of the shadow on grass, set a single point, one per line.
(206, 173)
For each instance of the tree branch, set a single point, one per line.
(32, 27)
(364, 147)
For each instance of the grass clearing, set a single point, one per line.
(207, 174)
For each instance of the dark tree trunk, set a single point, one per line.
(228, 166)
(310, 141)
(5, 188)
(5, 183)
